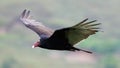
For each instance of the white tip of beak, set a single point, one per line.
(33, 46)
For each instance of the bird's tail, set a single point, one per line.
(77, 49)
(86, 51)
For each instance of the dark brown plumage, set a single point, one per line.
(62, 39)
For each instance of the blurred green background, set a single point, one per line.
(16, 40)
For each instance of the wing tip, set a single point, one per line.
(25, 13)
(84, 21)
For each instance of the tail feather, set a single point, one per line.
(86, 51)
(77, 49)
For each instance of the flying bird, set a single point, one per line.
(61, 39)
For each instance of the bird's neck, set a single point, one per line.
(43, 40)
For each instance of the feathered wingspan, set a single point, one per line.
(81, 31)
(38, 27)
(77, 32)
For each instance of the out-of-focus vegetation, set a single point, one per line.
(16, 40)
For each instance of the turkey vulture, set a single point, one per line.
(61, 39)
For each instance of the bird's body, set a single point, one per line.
(62, 39)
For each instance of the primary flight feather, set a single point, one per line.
(62, 39)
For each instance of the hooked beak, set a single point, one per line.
(36, 44)
(33, 46)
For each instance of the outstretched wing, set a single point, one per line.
(38, 27)
(77, 32)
